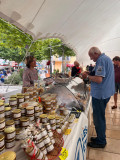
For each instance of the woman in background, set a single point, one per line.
(30, 73)
(76, 70)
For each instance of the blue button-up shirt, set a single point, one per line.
(104, 68)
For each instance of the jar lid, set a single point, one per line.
(13, 99)
(20, 97)
(24, 119)
(9, 155)
(51, 117)
(16, 111)
(2, 100)
(1, 137)
(19, 94)
(1, 103)
(29, 107)
(57, 117)
(26, 94)
(9, 122)
(2, 120)
(37, 154)
(6, 104)
(10, 140)
(7, 108)
(13, 96)
(43, 116)
(9, 130)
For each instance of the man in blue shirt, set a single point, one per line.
(102, 88)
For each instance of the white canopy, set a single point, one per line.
(81, 24)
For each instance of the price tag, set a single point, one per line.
(67, 132)
(64, 154)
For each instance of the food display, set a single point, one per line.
(36, 121)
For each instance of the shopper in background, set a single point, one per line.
(116, 61)
(102, 88)
(91, 68)
(30, 73)
(76, 70)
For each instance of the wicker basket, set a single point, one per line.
(59, 142)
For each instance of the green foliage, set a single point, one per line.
(15, 78)
(21, 72)
(13, 43)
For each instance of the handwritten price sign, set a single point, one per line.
(64, 154)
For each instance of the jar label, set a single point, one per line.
(17, 115)
(21, 100)
(17, 122)
(26, 97)
(36, 108)
(7, 113)
(2, 115)
(11, 144)
(2, 108)
(23, 111)
(30, 111)
(13, 102)
(25, 123)
(37, 114)
(31, 118)
(11, 135)
(2, 143)
(2, 125)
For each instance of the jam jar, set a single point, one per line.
(52, 119)
(2, 141)
(8, 111)
(18, 132)
(37, 113)
(16, 113)
(10, 123)
(2, 114)
(1, 107)
(46, 139)
(1, 151)
(10, 143)
(9, 133)
(24, 121)
(2, 124)
(39, 155)
(30, 110)
(20, 99)
(12, 101)
(43, 118)
(49, 147)
(9, 155)
(26, 95)
(31, 150)
(40, 143)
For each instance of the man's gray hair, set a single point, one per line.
(94, 50)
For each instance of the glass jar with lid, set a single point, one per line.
(9, 133)
(2, 124)
(16, 113)
(12, 101)
(10, 123)
(1, 107)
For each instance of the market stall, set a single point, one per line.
(67, 108)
